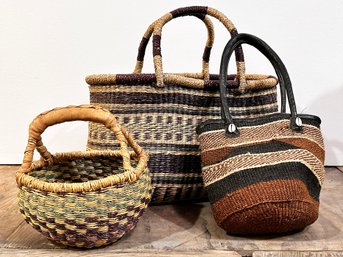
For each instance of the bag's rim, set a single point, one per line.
(188, 80)
(219, 124)
(130, 176)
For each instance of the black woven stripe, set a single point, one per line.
(189, 10)
(201, 16)
(273, 146)
(207, 53)
(156, 40)
(180, 110)
(175, 194)
(244, 178)
(169, 163)
(178, 98)
(133, 79)
(210, 125)
(239, 54)
(159, 180)
(141, 49)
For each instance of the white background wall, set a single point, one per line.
(48, 47)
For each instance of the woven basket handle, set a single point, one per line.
(161, 78)
(74, 113)
(207, 51)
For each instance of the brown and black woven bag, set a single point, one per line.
(263, 175)
(163, 109)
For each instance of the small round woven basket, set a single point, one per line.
(83, 199)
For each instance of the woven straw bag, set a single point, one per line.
(263, 175)
(83, 199)
(164, 109)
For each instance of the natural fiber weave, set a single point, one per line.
(263, 175)
(83, 199)
(163, 109)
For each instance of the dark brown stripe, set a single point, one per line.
(177, 98)
(239, 51)
(267, 207)
(134, 79)
(188, 11)
(156, 40)
(207, 53)
(247, 177)
(239, 54)
(306, 144)
(176, 110)
(141, 49)
(234, 32)
(201, 16)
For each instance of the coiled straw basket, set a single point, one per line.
(87, 198)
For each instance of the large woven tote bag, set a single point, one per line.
(162, 110)
(264, 174)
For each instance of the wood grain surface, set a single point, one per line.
(298, 254)
(111, 253)
(180, 229)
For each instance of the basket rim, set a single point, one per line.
(23, 177)
(255, 81)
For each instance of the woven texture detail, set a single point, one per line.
(85, 219)
(163, 121)
(267, 179)
(163, 109)
(84, 198)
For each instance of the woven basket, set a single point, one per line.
(83, 199)
(164, 109)
(263, 175)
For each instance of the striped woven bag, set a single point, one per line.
(263, 175)
(163, 109)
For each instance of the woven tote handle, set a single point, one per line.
(207, 51)
(74, 113)
(161, 78)
(279, 67)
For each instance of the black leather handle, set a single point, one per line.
(279, 67)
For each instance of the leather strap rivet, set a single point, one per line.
(299, 122)
(232, 128)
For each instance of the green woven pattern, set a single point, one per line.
(80, 170)
(86, 219)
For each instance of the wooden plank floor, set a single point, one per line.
(182, 230)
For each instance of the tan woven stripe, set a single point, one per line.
(171, 79)
(159, 106)
(154, 90)
(279, 138)
(221, 17)
(213, 156)
(151, 151)
(154, 128)
(160, 22)
(279, 129)
(237, 163)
